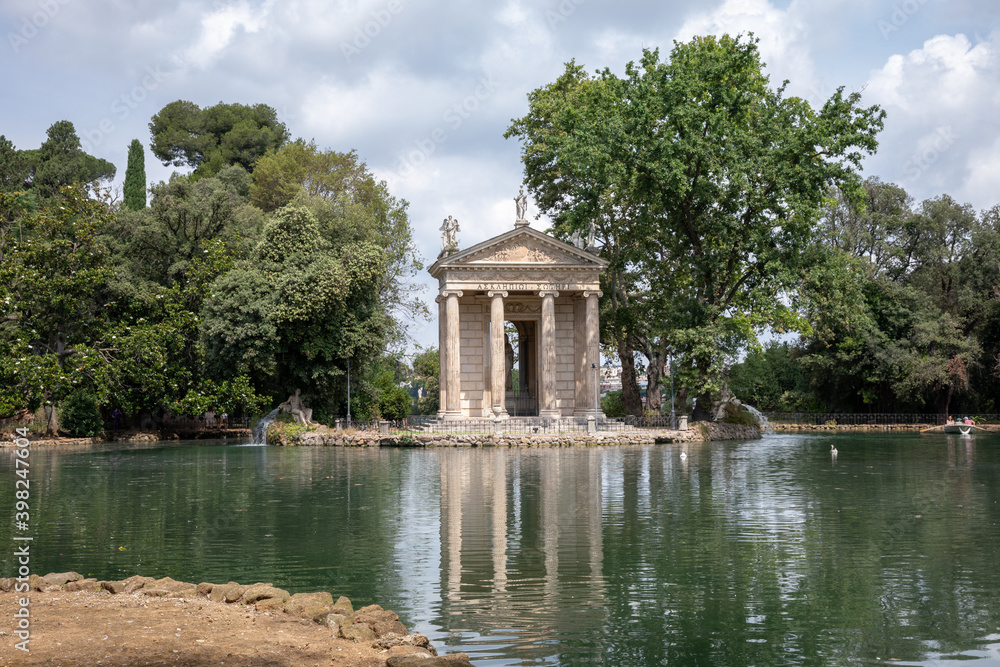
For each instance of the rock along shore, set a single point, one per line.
(863, 428)
(370, 626)
(281, 434)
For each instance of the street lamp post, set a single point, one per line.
(670, 370)
(597, 391)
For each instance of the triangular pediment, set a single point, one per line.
(522, 250)
(522, 246)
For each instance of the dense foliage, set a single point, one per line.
(215, 137)
(905, 313)
(203, 300)
(703, 184)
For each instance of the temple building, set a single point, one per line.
(545, 363)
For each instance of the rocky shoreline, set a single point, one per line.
(323, 436)
(290, 435)
(862, 428)
(372, 628)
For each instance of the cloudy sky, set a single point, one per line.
(424, 90)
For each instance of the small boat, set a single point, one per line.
(956, 429)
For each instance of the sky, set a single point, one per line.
(424, 90)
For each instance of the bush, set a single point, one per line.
(737, 414)
(612, 405)
(395, 403)
(80, 416)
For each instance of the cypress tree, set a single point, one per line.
(135, 177)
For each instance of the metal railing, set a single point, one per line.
(523, 401)
(171, 423)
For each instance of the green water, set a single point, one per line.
(743, 553)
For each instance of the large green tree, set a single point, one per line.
(725, 177)
(61, 161)
(51, 283)
(212, 138)
(351, 207)
(904, 319)
(135, 177)
(298, 310)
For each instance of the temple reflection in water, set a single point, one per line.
(510, 539)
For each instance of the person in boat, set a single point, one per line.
(949, 421)
(968, 421)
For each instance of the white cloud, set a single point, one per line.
(941, 118)
(783, 34)
(945, 75)
(983, 169)
(218, 29)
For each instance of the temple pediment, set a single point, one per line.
(522, 250)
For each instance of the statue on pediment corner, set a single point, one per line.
(449, 228)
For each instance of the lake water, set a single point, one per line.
(765, 552)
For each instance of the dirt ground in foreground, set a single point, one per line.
(87, 629)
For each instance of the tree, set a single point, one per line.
(872, 232)
(351, 206)
(51, 284)
(13, 167)
(215, 137)
(770, 379)
(135, 177)
(60, 161)
(294, 313)
(724, 176)
(159, 243)
(427, 368)
(898, 321)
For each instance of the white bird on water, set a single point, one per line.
(833, 450)
(684, 456)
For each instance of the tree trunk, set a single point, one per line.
(51, 420)
(944, 400)
(703, 408)
(631, 399)
(654, 375)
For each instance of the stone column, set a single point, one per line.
(547, 377)
(442, 357)
(498, 356)
(593, 347)
(453, 334)
(583, 397)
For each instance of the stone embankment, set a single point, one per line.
(281, 434)
(864, 428)
(371, 625)
(131, 436)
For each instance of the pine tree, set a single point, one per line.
(135, 177)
